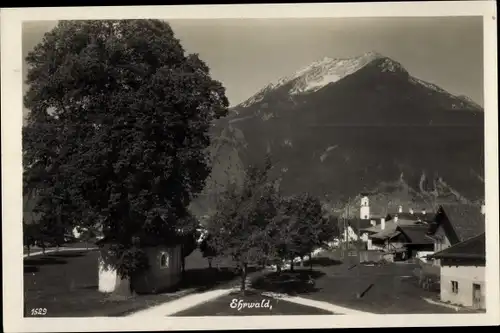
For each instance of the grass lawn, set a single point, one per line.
(222, 307)
(65, 283)
(388, 289)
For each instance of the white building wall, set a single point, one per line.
(465, 276)
(107, 278)
(349, 234)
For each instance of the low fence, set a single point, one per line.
(429, 276)
(375, 256)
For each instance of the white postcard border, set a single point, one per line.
(11, 116)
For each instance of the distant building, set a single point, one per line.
(416, 244)
(453, 224)
(364, 210)
(385, 235)
(463, 272)
(164, 268)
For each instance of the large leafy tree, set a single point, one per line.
(301, 227)
(118, 129)
(242, 226)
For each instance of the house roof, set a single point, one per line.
(415, 216)
(362, 223)
(465, 220)
(416, 234)
(390, 225)
(386, 234)
(472, 248)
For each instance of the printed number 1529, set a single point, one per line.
(38, 312)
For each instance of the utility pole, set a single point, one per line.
(342, 240)
(341, 230)
(359, 242)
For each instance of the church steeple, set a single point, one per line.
(364, 211)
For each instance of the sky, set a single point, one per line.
(247, 54)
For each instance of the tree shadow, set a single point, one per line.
(44, 261)
(292, 283)
(67, 255)
(246, 293)
(30, 269)
(322, 261)
(208, 278)
(203, 279)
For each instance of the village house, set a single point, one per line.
(415, 240)
(386, 235)
(462, 272)
(455, 223)
(164, 271)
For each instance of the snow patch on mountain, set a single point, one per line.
(326, 153)
(267, 116)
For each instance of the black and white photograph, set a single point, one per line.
(178, 167)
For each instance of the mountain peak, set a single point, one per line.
(325, 71)
(373, 55)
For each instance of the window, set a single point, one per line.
(454, 287)
(164, 260)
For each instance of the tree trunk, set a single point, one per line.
(210, 263)
(291, 265)
(302, 261)
(29, 249)
(310, 261)
(278, 268)
(243, 277)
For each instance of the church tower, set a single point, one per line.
(364, 211)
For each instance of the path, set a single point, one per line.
(336, 309)
(172, 307)
(190, 301)
(181, 304)
(61, 249)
